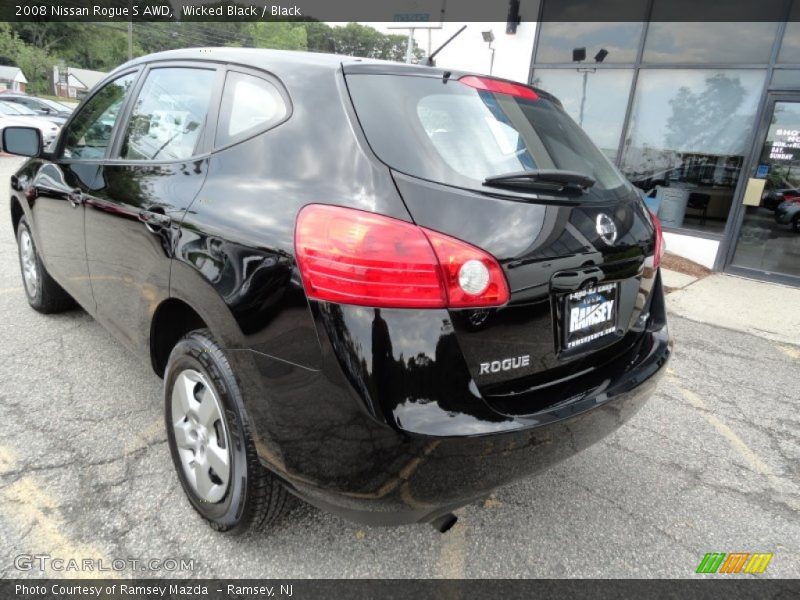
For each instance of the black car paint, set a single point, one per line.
(321, 380)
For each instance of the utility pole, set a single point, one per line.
(130, 40)
(583, 95)
(410, 45)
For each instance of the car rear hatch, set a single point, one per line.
(578, 258)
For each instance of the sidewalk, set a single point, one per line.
(767, 310)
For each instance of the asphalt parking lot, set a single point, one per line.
(711, 464)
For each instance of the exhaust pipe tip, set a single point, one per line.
(444, 523)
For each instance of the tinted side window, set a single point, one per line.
(249, 104)
(170, 114)
(24, 102)
(89, 133)
(27, 103)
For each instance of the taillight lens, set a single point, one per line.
(471, 276)
(659, 249)
(498, 86)
(355, 257)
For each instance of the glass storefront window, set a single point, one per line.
(790, 46)
(599, 107)
(694, 43)
(687, 140)
(619, 41)
(785, 78)
(769, 239)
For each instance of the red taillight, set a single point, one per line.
(659, 249)
(355, 257)
(461, 269)
(498, 86)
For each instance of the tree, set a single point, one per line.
(102, 48)
(706, 119)
(37, 65)
(10, 45)
(355, 39)
(279, 35)
(34, 62)
(45, 35)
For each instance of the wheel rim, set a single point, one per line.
(201, 435)
(27, 258)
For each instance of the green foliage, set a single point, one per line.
(36, 64)
(34, 61)
(280, 35)
(102, 48)
(10, 45)
(359, 40)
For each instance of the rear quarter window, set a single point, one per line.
(250, 105)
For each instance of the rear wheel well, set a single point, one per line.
(16, 213)
(172, 320)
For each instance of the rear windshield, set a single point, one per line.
(449, 132)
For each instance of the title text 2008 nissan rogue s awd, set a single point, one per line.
(387, 289)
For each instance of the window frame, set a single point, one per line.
(58, 153)
(223, 116)
(203, 148)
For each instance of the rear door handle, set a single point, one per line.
(155, 220)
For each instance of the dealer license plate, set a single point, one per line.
(590, 314)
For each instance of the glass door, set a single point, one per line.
(768, 242)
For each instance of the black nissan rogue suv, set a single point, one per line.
(387, 289)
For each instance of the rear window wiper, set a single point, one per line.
(562, 181)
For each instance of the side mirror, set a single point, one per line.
(24, 141)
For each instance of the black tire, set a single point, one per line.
(254, 497)
(48, 297)
(796, 224)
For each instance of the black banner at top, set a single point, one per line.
(421, 13)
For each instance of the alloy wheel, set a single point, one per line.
(30, 269)
(201, 435)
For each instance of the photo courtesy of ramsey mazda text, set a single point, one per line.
(386, 289)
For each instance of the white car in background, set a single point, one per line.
(11, 114)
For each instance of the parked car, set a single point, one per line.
(23, 110)
(11, 115)
(387, 289)
(53, 110)
(771, 199)
(788, 213)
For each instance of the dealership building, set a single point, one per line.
(704, 117)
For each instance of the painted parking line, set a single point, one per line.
(453, 551)
(791, 351)
(144, 438)
(37, 518)
(738, 444)
(8, 459)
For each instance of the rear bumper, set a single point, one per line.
(335, 452)
(446, 473)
